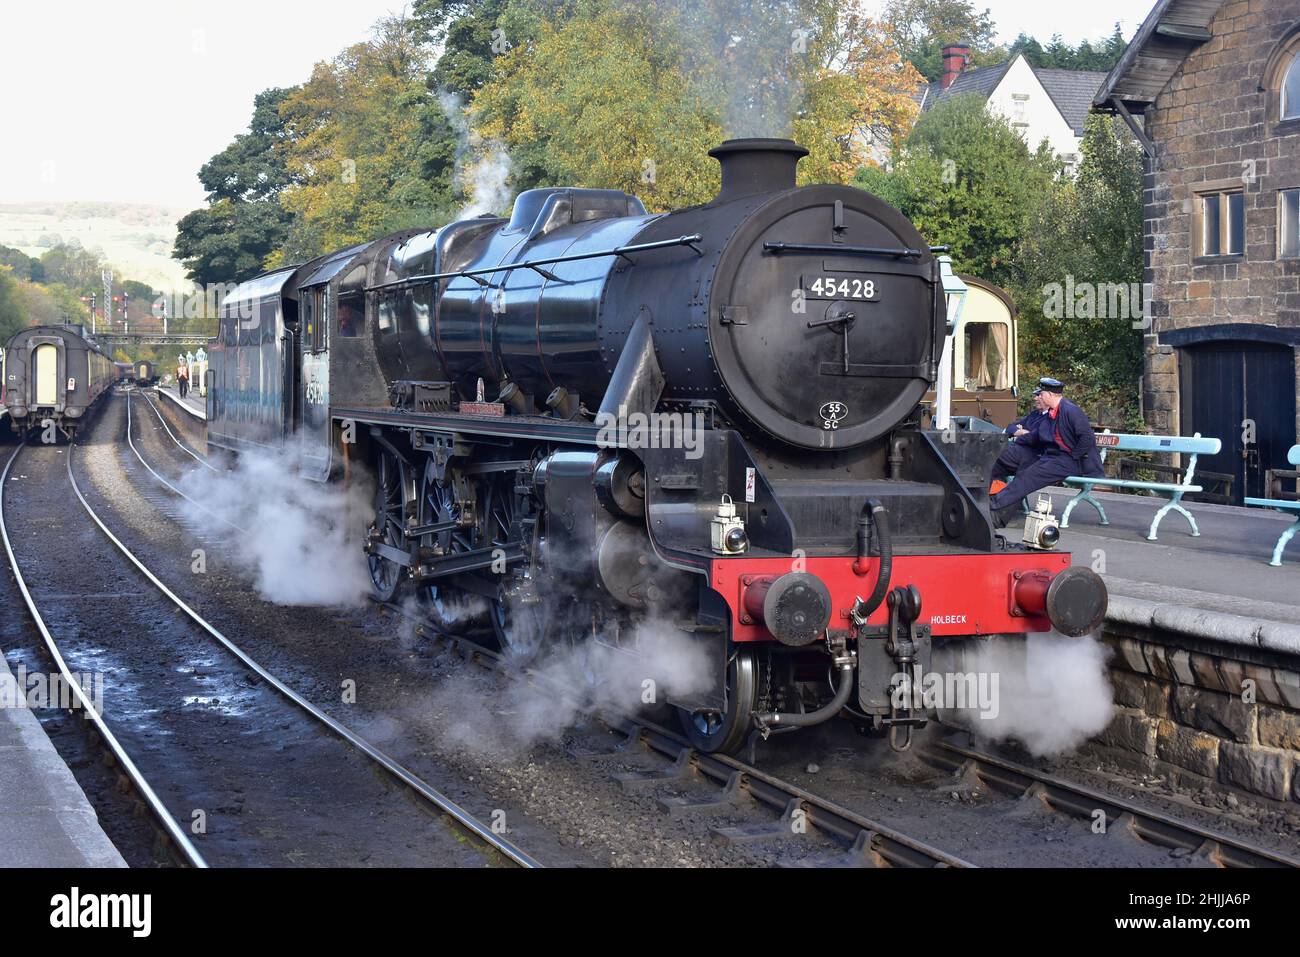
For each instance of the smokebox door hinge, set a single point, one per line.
(735, 316)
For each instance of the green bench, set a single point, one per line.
(1274, 478)
(1175, 491)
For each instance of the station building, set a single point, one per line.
(1213, 91)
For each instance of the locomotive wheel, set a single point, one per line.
(518, 625)
(726, 731)
(448, 607)
(518, 621)
(386, 577)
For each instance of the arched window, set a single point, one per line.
(1291, 90)
(1282, 78)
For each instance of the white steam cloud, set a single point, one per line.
(485, 716)
(1051, 691)
(483, 167)
(299, 539)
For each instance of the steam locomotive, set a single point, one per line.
(585, 420)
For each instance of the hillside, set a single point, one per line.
(136, 239)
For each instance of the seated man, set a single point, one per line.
(1025, 446)
(1069, 448)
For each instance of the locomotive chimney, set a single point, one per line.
(955, 58)
(756, 166)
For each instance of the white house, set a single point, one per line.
(1042, 104)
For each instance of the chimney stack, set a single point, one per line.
(955, 58)
(753, 166)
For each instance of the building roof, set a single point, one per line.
(1172, 30)
(1072, 91)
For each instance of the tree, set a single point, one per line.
(601, 98)
(72, 265)
(1088, 236)
(243, 223)
(631, 96)
(13, 317)
(24, 267)
(229, 241)
(464, 31)
(368, 146)
(967, 180)
(922, 28)
(856, 94)
(1099, 57)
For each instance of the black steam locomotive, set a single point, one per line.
(586, 419)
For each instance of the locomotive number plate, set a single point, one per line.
(825, 286)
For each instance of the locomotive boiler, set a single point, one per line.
(586, 420)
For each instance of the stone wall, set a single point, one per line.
(1204, 718)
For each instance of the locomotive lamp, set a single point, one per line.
(727, 530)
(1042, 530)
(954, 291)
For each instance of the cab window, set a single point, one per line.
(316, 314)
(308, 319)
(352, 303)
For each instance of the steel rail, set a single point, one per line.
(142, 786)
(1083, 801)
(864, 835)
(443, 803)
(172, 488)
(184, 448)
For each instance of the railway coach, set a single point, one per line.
(53, 376)
(587, 422)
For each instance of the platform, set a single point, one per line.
(1218, 585)
(192, 403)
(45, 818)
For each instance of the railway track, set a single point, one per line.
(863, 842)
(866, 842)
(1077, 800)
(157, 809)
(424, 792)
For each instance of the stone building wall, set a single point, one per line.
(1213, 124)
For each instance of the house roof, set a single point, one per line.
(1072, 91)
(1172, 30)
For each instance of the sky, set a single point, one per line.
(123, 102)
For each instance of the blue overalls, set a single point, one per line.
(1057, 462)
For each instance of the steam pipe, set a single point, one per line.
(822, 714)
(874, 513)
